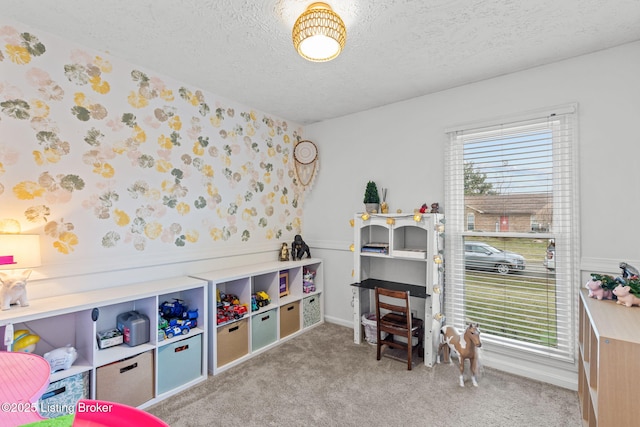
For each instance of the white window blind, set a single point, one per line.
(518, 181)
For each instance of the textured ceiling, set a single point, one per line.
(396, 49)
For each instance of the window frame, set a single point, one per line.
(457, 228)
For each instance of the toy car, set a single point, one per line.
(262, 298)
(222, 317)
(259, 299)
(190, 323)
(229, 298)
(230, 312)
(238, 311)
(176, 329)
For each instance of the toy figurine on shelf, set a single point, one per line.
(13, 289)
(424, 208)
(162, 325)
(24, 341)
(625, 297)
(435, 207)
(628, 270)
(597, 290)
(299, 248)
(284, 252)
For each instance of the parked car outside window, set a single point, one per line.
(482, 256)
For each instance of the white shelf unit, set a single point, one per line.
(235, 341)
(67, 320)
(408, 263)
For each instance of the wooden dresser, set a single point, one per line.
(609, 365)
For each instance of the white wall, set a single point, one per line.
(401, 147)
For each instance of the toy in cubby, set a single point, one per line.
(259, 299)
(308, 281)
(24, 341)
(175, 318)
(162, 325)
(61, 358)
(229, 307)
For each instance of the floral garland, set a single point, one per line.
(610, 283)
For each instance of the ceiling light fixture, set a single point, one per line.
(319, 34)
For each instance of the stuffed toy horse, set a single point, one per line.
(464, 346)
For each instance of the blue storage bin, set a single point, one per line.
(61, 396)
(179, 363)
(264, 329)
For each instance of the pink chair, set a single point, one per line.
(23, 379)
(100, 413)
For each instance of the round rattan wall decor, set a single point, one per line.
(305, 154)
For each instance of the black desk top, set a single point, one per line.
(414, 290)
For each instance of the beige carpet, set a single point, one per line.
(321, 378)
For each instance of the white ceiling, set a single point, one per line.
(396, 49)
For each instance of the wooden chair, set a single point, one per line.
(393, 316)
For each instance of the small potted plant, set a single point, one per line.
(371, 197)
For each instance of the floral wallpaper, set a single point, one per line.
(98, 155)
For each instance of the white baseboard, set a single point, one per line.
(524, 368)
(338, 321)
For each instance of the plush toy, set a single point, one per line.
(625, 297)
(424, 208)
(14, 289)
(308, 281)
(597, 291)
(435, 207)
(61, 358)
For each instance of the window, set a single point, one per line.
(517, 181)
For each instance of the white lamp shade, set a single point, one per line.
(19, 251)
(319, 47)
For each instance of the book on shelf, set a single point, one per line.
(378, 248)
